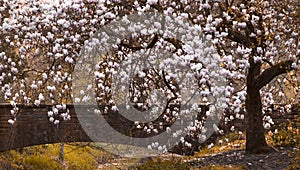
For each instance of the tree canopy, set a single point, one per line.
(256, 47)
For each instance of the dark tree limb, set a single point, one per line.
(269, 74)
(239, 38)
(137, 48)
(267, 61)
(153, 42)
(177, 43)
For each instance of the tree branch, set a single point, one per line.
(267, 61)
(269, 74)
(137, 48)
(239, 38)
(177, 43)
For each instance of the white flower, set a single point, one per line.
(59, 107)
(55, 110)
(156, 144)
(51, 119)
(50, 113)
(267, 126)
(56, 122)
(168, 129)
(65, 116)
(69, 60)
(210, 145)
(151, 2)
(208, 37)
(159, 148)
(114, 108)
(242, 24)
(12, 112)
(33, 86)
(257, 59)
(82, 92)
(61, 21)
(37, 102)
(202, 137)
(86, 99)
(77, 100)
(294, 66)
(242, 117)
(89, 87)
(10, 121)
(14, 70)
(41, 97)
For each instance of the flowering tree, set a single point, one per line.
(257, 44)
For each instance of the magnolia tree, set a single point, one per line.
(255, 43)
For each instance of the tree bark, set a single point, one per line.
(255, 138)
(269, 74)
(62, 151)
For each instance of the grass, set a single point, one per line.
(91, 156)
(77, 156)
(229, 142)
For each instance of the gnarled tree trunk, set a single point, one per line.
(255, 142)
(255, 138)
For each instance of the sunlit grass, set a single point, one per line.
(77, 156)
(229, 142)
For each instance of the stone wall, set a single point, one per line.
(33, 127)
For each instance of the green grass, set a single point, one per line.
(77, 156)
(232, 141)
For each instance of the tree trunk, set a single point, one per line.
(62, 151)
(255, 137)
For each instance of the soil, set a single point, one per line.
(276, 160)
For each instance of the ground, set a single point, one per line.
(276, 160)
(227, 153)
